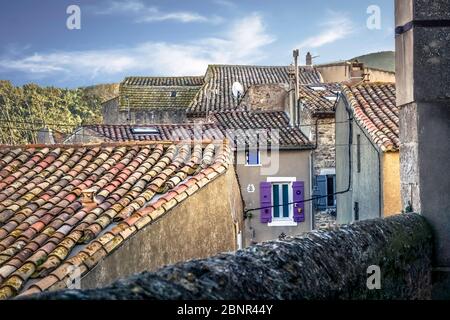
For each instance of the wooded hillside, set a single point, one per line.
(24, 110)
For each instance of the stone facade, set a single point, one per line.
(320, 265)
(264, 97)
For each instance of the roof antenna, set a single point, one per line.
(238, 91)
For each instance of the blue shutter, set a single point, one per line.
(321, 191)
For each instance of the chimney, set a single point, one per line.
(45, 136)
(356, 72)
(309, 59)
(423, 96)
(294, 104)
(88, 199)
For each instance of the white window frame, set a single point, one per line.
(283, 222)
(253, 165)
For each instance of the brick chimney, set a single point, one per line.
(423, 97)
(309, 58)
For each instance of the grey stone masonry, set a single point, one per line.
(320, 265)
(423, 96)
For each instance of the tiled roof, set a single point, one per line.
(164, 81)
(46, 231)
(219, 126)
(275, 124)
(319, 98)
(216, 94)
(374, 107)
(157, 97)
(174, 132)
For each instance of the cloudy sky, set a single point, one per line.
(167, 37)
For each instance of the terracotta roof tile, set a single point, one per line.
(44, 231)
(321, 97)
(216, 94)
(374, 107)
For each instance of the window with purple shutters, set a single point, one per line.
(298, 188)
(266, 202)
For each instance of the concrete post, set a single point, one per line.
(423, 96)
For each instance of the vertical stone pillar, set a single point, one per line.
(423, 96)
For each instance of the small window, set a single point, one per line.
(331, 98)
(280, 196)
(253, 158)
(173, 94)
(145, 130)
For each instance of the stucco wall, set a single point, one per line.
(341, 72)
(392, 203)
(110, 111)
(291, 163)
(365, 186)
(330, 265)
(203, 225)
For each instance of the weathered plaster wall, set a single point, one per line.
(288, 163)
(321, 265)
(375, 75)
(365, 185)
(203, 225)
(392, 203)
(110, 111)
(341, 72)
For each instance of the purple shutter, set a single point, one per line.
(299, 195)
(265, 191)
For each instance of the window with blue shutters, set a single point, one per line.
(324, 191)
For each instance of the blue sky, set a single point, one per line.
(142, 37)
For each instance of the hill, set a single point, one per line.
(384, 60)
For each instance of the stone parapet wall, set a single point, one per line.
(321, 265)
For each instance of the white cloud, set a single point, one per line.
(242, 43)
(145, 14)
(338, 26)
(225, 3)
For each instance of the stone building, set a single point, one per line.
(106, 211)
(146, 100)
(317, 111)
(367, 153)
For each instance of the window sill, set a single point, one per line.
(282, 224)
(253, 165)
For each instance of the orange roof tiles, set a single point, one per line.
(46, 230)
(374, 107)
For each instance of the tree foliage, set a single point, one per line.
(27, 109)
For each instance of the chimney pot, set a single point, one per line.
(309, 59)
(88, 198)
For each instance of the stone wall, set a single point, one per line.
(324, 157)
(112, 114)
(320, 265)
(265, 97)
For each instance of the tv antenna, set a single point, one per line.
(238, 90)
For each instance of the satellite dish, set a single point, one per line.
(238, 90)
